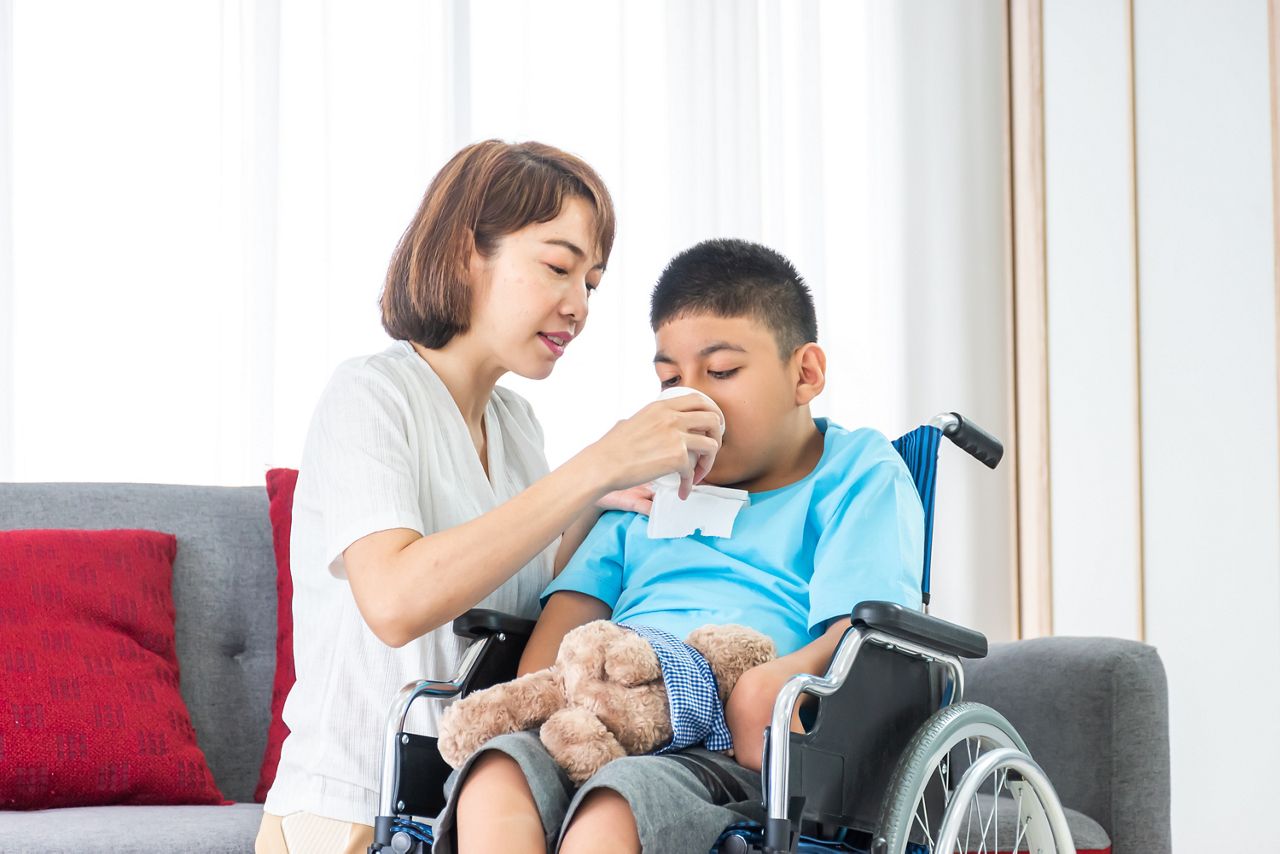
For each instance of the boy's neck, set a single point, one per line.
(797, 457)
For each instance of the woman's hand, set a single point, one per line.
(680, 434)
(637, 499)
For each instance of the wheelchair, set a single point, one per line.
(893, 760)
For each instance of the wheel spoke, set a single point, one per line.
(1019, 827)
(945, 768)
(987, 826)
(968, 822)
(924, 825)
(995, 800)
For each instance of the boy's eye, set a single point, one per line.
(723, 375)
(669, 382)
(559, 271)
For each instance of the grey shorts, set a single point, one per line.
(681, 801)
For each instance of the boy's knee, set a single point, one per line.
(493, 773)
(602, 822)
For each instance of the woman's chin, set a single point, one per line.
(534, 371)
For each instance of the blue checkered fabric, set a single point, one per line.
(697, 716)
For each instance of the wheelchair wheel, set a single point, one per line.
(967, 783)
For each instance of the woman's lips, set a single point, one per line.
(555, 348)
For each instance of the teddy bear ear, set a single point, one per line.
(732, 648)
(582, 650)
(629, 660)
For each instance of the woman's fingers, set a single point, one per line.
(675, 435)
(637, 499)
(701, 421)
(705, 448)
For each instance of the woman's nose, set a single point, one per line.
(575, 304)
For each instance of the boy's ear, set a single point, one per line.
(811, 372)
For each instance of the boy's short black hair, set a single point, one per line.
(737, 278)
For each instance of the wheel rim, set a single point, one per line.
(968, 759)
(966, 745)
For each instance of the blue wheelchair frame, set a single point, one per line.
(827, 781)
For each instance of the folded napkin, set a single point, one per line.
(709, 509)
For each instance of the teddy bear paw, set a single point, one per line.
(579, 743)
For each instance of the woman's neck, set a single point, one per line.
(466, 375)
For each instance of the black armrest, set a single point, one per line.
(481, 622)
(911, 625)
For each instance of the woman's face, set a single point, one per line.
(530, 297)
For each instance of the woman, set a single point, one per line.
(423, 490)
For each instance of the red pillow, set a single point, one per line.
(92, 714)
(280, 484)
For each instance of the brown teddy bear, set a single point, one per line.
(602, 699)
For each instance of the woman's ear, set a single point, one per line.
(811, 372)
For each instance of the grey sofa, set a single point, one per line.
(1093, 711)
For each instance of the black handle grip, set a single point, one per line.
(978, 442)
(480, 622)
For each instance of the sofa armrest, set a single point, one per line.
(1095, 715)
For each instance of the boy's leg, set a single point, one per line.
(496, 811)
(603, 822)
(518, 769)
(679, 802)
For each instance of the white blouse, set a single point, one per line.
(387, 448)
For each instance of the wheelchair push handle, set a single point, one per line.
(980, 444)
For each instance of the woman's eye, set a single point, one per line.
(669, 382)
(559, 271)
(591, 289)
(723, 375)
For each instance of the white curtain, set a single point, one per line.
(204, 197)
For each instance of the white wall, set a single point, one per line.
(1092, 323)
(1207, 263)
(1205, 341)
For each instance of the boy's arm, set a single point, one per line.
(573, 537)
(637, 499)
(750, 707)
(565, 611)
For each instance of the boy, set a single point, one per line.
(833, 519)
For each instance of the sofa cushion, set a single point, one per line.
(280, 484)
(132, 830)
(93, 714)
(224, 582)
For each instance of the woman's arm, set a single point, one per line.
(565, 611)
(638, 499)
(406, 584)
(750, 708)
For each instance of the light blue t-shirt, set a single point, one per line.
(800, 556)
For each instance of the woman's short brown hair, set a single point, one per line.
(487, 191)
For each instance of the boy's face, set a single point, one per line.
(735, 362)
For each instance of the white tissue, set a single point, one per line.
(709, 509)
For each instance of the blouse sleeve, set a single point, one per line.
(365, 473)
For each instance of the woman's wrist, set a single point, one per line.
(589, 474)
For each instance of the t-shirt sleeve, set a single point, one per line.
(872, 547)
(365, 472)
(596, 567)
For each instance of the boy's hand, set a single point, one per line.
(637, 499)
(750, 707)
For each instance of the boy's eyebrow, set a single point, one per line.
(663, 358)
(572, 247)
